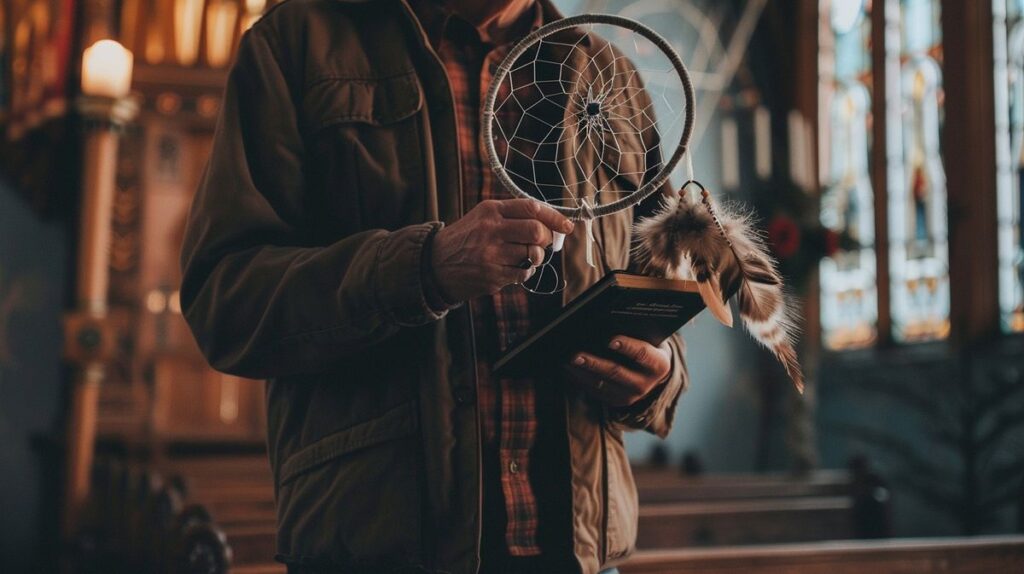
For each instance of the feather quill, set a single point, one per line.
(718, 247)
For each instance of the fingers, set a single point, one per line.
(536, 254)
(528, 231)
(651, 359)
(622, 381)
(629, 381)
(513, 254)
(533, 209)
(612, 394)
(502, 275)
(553, 220)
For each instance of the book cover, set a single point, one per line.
(646, 308)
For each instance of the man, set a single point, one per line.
(348, 244)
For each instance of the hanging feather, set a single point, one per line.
(719, 248)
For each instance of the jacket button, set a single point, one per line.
(464, 395)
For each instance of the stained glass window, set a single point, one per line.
(849, 301)
(1008, 51)
(918, 254)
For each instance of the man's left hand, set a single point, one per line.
(637, 369)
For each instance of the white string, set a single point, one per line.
(588, 226)
(689, 165)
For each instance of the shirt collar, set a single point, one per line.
(434, 16)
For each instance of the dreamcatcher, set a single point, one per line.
(567, 120)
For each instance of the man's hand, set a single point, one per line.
(622, 382)
(483, 251)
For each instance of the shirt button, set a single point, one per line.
(513, 467)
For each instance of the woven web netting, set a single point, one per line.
(589, 113)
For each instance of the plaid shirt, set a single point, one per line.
(508, 407)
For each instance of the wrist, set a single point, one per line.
(432, 291)
(642, 404)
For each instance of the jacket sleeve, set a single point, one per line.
(261, 297)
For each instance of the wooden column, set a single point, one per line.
(89, 340)
(970, 161)
(884, 22)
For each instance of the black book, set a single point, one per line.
(646, 308)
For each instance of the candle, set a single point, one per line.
(763, 142)
(221, 21)
(106, 70)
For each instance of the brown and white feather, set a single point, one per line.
(683, 240)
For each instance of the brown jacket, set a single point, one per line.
(334, 157)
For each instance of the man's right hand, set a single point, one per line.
(483, 251)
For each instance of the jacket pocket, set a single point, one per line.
(354, 497)
(398, 422)
(364, 141)
(331, 100)
(622, 504)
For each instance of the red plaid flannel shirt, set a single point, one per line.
(508, 406)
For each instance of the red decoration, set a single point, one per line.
(831, 242)
(784, 236)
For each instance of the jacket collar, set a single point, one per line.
(551, 12)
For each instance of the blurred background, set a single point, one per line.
(881, 143)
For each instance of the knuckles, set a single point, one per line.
(614, 372)
(641, 355)
(537, 233)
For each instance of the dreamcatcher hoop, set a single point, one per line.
(501, 73)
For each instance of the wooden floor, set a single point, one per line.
(980, 555)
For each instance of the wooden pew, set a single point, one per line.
(981, 555)
(988, 555)
(260, 569)
(676, 511)
(683, 511)
(238, 495)
(223, 514)
(237, 466)
(252, 543)
(241, 540)
(738, 522)
(665, 485)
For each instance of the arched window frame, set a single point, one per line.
(969, 136)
